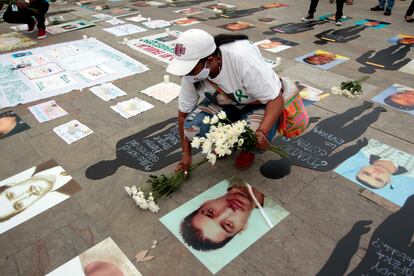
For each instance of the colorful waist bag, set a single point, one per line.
(294, 119)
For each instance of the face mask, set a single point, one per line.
(200, 76)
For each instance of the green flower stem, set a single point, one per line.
(279, 151)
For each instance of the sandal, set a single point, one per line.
(409, 19)
(349, 2)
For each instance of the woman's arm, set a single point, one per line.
(272, 112)
(186, 159)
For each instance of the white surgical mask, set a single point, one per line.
(200, 76)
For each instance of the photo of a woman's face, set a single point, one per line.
(101, 268)
(372, 23)
(406, 41)
(320, 59)
(237, 26)
(404, 99)
(7, 124)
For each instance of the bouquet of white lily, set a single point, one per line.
(349, 89)
(226, 137)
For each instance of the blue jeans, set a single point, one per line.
(252, 114)
(390, 4)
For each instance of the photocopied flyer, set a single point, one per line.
(47, 111)
(107, 91)
(72, 131)
(132, 107)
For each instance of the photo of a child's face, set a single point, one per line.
(372, 23)
(402, 100)
(11, 124)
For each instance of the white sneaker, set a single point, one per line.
(338, 23)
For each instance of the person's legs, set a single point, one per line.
(339, 9)
(410, 10)
(312, 7)
(380, 6)
(42, 7)
(390, 4)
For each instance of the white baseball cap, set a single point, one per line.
(192, 45)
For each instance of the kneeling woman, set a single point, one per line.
(233, 76)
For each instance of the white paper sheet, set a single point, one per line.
(75, 59)
(72, 131)
(156, 24)
(123, 30)
(47, 111)
(115, 21)
(107, 91)
(132, 107)
(164, 91)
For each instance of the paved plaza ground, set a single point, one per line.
(323, 206)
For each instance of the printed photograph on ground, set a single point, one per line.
(382, 169)
(322, 60)
(275, 44)
(237, 26)
(10, 124)
(397, 96)
(105, 258)
(402, 39)
(32, 192)
(222, 222)
(372, 23)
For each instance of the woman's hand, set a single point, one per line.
(185, 164)
(263, 143)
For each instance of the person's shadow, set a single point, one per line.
(391, 58)
(317, 148)
(295, 28)
(148, 150)
(343, 35)
(390, 242)
(184, 3)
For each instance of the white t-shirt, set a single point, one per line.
(244, 73)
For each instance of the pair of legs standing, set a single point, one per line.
(409, 14)
(34, 12)
(339, 9)
(386, 5)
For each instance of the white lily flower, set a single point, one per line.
(206, 120)
(128, 190)
(212, 158)
(214, 120)
(222, 115)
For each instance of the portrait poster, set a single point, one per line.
(402, 39)
(275, 44)
(47, 111)
(322, 59)
(10, 124)
(237, 26)
(105, 258)
(397, 96)
(310, 94)
(185, 21)
(383, 170)
(69, 26)
(33, 191)
(372, 23)
(216, 242)
(159, 46)
(189, 11)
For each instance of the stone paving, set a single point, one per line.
(323, 206)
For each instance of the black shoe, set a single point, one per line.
(387, 12)
(409, 19)
(308, 17)
(377, 8)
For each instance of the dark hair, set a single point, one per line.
(219, 40)
(388, 100)
(194, 236)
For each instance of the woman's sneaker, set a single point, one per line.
(42, 34)
(308, 17)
